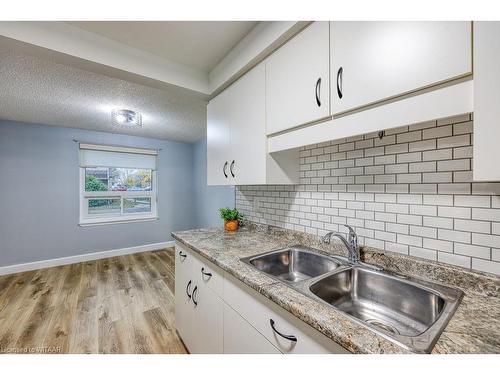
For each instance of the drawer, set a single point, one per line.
(208, 274)
(263, 314)
(241, 338)
(201, 270)
(183, 259)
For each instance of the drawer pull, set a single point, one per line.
(209, 274)
(288, 337)
(182, 255)
(195, 294)
(188, 286)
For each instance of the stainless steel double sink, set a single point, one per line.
(410, 312)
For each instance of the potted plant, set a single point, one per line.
(232, 218)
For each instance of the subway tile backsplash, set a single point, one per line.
(410, 191)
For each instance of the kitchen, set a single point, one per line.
(250, 187)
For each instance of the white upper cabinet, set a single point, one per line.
(298, 80)
(218, 139)
(374, 61)
(248, 127)
(236, 137)
(335, 80)
(486, 100)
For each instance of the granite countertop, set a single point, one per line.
(474, 328)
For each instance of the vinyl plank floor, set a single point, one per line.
(116, 305)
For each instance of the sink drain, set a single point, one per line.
(381, 325)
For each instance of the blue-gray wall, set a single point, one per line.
(208, 199)
(39, 194)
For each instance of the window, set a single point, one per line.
(117, 184)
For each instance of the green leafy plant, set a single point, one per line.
(231, 214)
(93, 184)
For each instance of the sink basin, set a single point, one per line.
(293, 264)
(410, 312)
(413, 313)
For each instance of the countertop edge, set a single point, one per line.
(462, 334)
(342, 341)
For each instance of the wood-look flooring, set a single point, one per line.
(116, 305)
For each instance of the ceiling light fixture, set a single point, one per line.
(126, 117)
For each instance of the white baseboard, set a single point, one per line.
(15, 268)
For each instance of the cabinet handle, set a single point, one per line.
(224, 169)
(187, 289)
(209, 274)
(231, 169)
(318, 92)
(182, 255)
(339, 82)
(195, 294)
(288, 337)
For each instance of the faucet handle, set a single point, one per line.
(352, 232)
(326, 238)
(353, 242)
(353, 237)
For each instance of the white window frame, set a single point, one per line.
(100, 219)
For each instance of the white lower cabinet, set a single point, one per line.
(241, 338)
(216, 313)
(198, 308)
(183, 290)
(289, 335)
(207, 322)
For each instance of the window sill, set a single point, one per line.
(94, 223)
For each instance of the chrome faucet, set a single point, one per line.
(351, 243)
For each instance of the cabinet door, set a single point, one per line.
(270, 321)
(298, 80)
(218, 139)
(373, 61)
(241, 338)
(183, 292)
(207, 321)
(248, 127)
(208, 275)
(486, 100)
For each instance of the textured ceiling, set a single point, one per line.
(197, 44)
(39, 91)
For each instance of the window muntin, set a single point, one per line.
(120, 193)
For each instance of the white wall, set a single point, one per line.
(410, 192)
